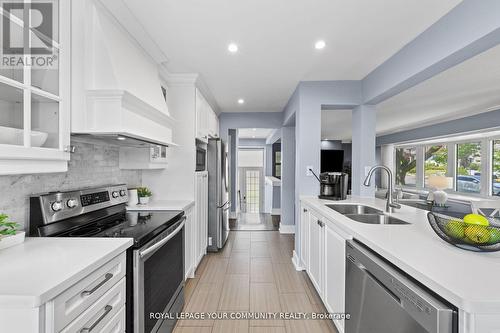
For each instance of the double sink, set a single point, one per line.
(365, 214)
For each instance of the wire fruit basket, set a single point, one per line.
(470, 237)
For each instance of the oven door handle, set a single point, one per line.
(156, 246)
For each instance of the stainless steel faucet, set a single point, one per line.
(391, 204)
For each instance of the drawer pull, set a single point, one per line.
(107, 309)
(107, 277)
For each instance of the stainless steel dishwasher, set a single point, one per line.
(381, 299)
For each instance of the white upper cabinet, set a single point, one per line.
(207, 122)
(34, 97)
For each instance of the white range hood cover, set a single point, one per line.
(123, 90)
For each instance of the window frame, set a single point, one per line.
(277, 148)
(487, 147)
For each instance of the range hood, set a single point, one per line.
(116, 87)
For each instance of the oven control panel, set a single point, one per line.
(56, 206)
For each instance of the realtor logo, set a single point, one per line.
(28, 33)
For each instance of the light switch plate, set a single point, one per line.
(308, 170)
(209, 241)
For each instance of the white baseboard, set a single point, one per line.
(276, 211)
(190, 273)
(296, 262)
(233, 215)
(287, 229)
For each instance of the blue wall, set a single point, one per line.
(467, 124)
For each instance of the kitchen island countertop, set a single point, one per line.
(466, 279)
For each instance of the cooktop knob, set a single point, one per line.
(56, 206)
(115, 194)
(123, 193)
(72, 203)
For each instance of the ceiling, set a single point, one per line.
(276, 41)
(469, 88)
(254, 133)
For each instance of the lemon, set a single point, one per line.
(477, 234)
(476, 219)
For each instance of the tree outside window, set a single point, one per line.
(469, 167)
(406, 166)
(436, 161)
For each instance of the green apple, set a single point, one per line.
(494, 236)
(477, 234)
(455, 229)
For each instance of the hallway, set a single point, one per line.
(255, 222)
(253, 273)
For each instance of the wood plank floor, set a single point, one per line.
(254, 272)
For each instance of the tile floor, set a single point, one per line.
(252, 273)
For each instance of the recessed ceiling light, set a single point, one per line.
(241, 101)
(253, 136)
(254, 129)
(121, 138)
(233, 48)
(320, 44)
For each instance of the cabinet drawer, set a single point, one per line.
(78, 298)
(116, 324)
(100, 316)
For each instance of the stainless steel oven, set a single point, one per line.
(158, 269)
(201, 159)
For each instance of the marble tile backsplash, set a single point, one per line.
(92, 164)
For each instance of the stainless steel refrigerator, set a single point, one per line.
(218, 194)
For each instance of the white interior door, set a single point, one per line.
(251, 180)
(252, 190)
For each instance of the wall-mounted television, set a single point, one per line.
(332, 160)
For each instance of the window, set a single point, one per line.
(406, 166)
(469, 167)
(436, 162)
(277, 160)
(495, 188)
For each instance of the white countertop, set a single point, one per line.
(466, 279)
(41, 268)
(163, 205)
(273, 180)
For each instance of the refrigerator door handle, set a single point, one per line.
(227, 203)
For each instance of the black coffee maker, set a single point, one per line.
(333, 185)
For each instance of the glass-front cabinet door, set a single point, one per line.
(34, 86)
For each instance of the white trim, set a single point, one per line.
(276, 211)
(296, 262)
(287, 229)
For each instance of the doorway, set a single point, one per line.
(251, 180)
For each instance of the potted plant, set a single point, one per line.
(144, 194)
(9, 235)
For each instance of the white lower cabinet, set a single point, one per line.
(95, 303)
(316, 252)
(196, 227)
(304, 237)
(201, 208)
(334, 272)
(189, 240)
(323, 257)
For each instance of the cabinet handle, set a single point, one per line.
(321, 224)
(107, 277)
(107, 309)
(304, 210)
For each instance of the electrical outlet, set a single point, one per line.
(308, 170)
